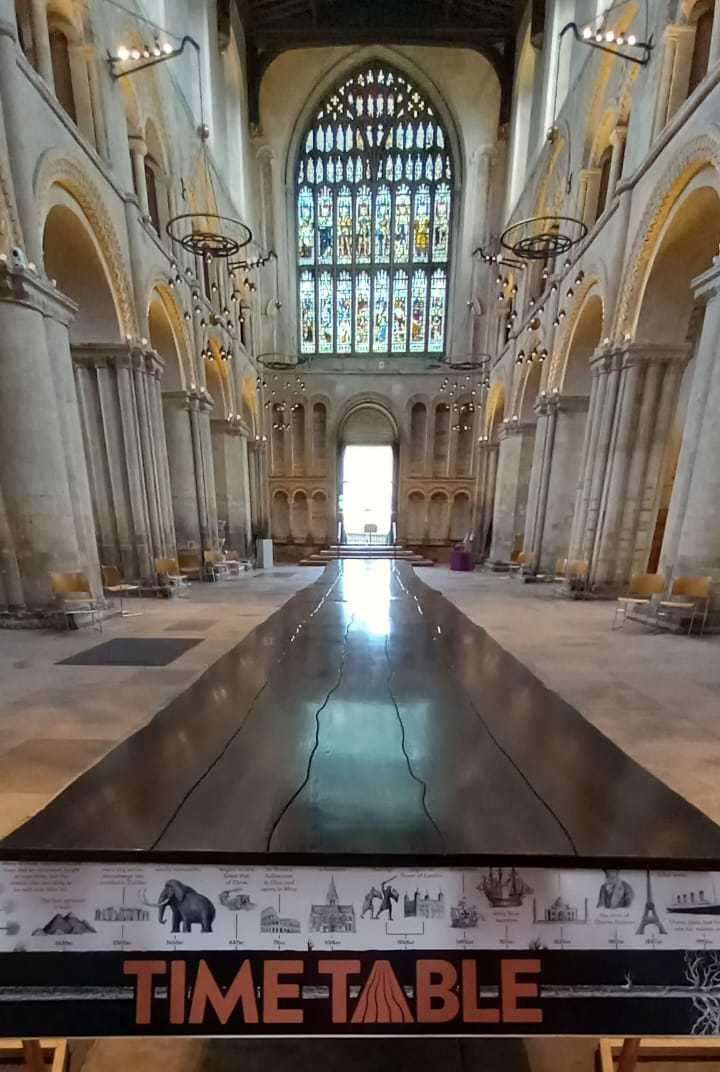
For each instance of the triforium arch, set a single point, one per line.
(169, 337)
(584, 330)
(375, 176)
(77, 258)
(64, 170)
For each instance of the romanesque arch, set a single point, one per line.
(65, 171)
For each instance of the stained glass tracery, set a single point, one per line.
(374, 200)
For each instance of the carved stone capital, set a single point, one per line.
(639, 353)
(22, 286)
(515, 428)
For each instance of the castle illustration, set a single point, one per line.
(332, 917)
(423, 906)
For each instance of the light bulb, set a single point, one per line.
(609, 36)
(135, 54)
(167, 48)
(632, 39)
(123, 54)
(587, 33)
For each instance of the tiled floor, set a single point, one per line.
(657, 696)
(56, 721)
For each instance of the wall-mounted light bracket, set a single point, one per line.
(128, 61)
(624, 46)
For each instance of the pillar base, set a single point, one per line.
(44, 618)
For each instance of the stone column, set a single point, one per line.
(714, 55)
(617, 140)
(11, 587)
(582, 496)
(138, 151)
(542, 459)
(485, 493)
(612, 483)
(646, 418)
(204, 413)
(515, 455)
(108, 499)
(675, 73)
(669, 376)
(154, 368)
(78, 55)
(231, 477)
(692, 544)
(707, 288)
(600, 449)
(587, 196)
(41, 40)
(557, 502)
(199, 474)
(181, 463)
(97, 103)
(135, 475)
(150, 474)
(33, 471)
(75, 454)
(21, 148)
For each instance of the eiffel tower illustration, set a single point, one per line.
(650, 915)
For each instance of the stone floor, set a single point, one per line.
(56, 721)
(653, 694)
(349, 1055)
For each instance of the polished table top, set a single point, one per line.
(369, 715)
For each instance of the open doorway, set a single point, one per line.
(366, 497)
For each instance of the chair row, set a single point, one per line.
(687, 599)
(573, 572)
(73, 592)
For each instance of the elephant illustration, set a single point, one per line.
(187, 907)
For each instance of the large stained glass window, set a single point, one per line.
(374, 201)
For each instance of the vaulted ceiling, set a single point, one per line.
(274, 26)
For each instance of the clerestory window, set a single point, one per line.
(374, 197)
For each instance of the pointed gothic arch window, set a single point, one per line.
(374, 204)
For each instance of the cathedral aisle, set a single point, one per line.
(370, 715)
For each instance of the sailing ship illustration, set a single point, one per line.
(695, 903)
(503, 888)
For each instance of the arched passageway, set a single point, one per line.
(367, 474)
(561, 430)
(515, 458)
(488, 445)
(646, 389)
(118, 390)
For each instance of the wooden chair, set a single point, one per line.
(114, 584)
(169, 575)
(235, 563)
(643, 586)
(576, 574)
(524, 561)
(216, 567)
(72, 591)
(190, 565)
(689, 598)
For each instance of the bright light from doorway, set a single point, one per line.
(367, 492)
